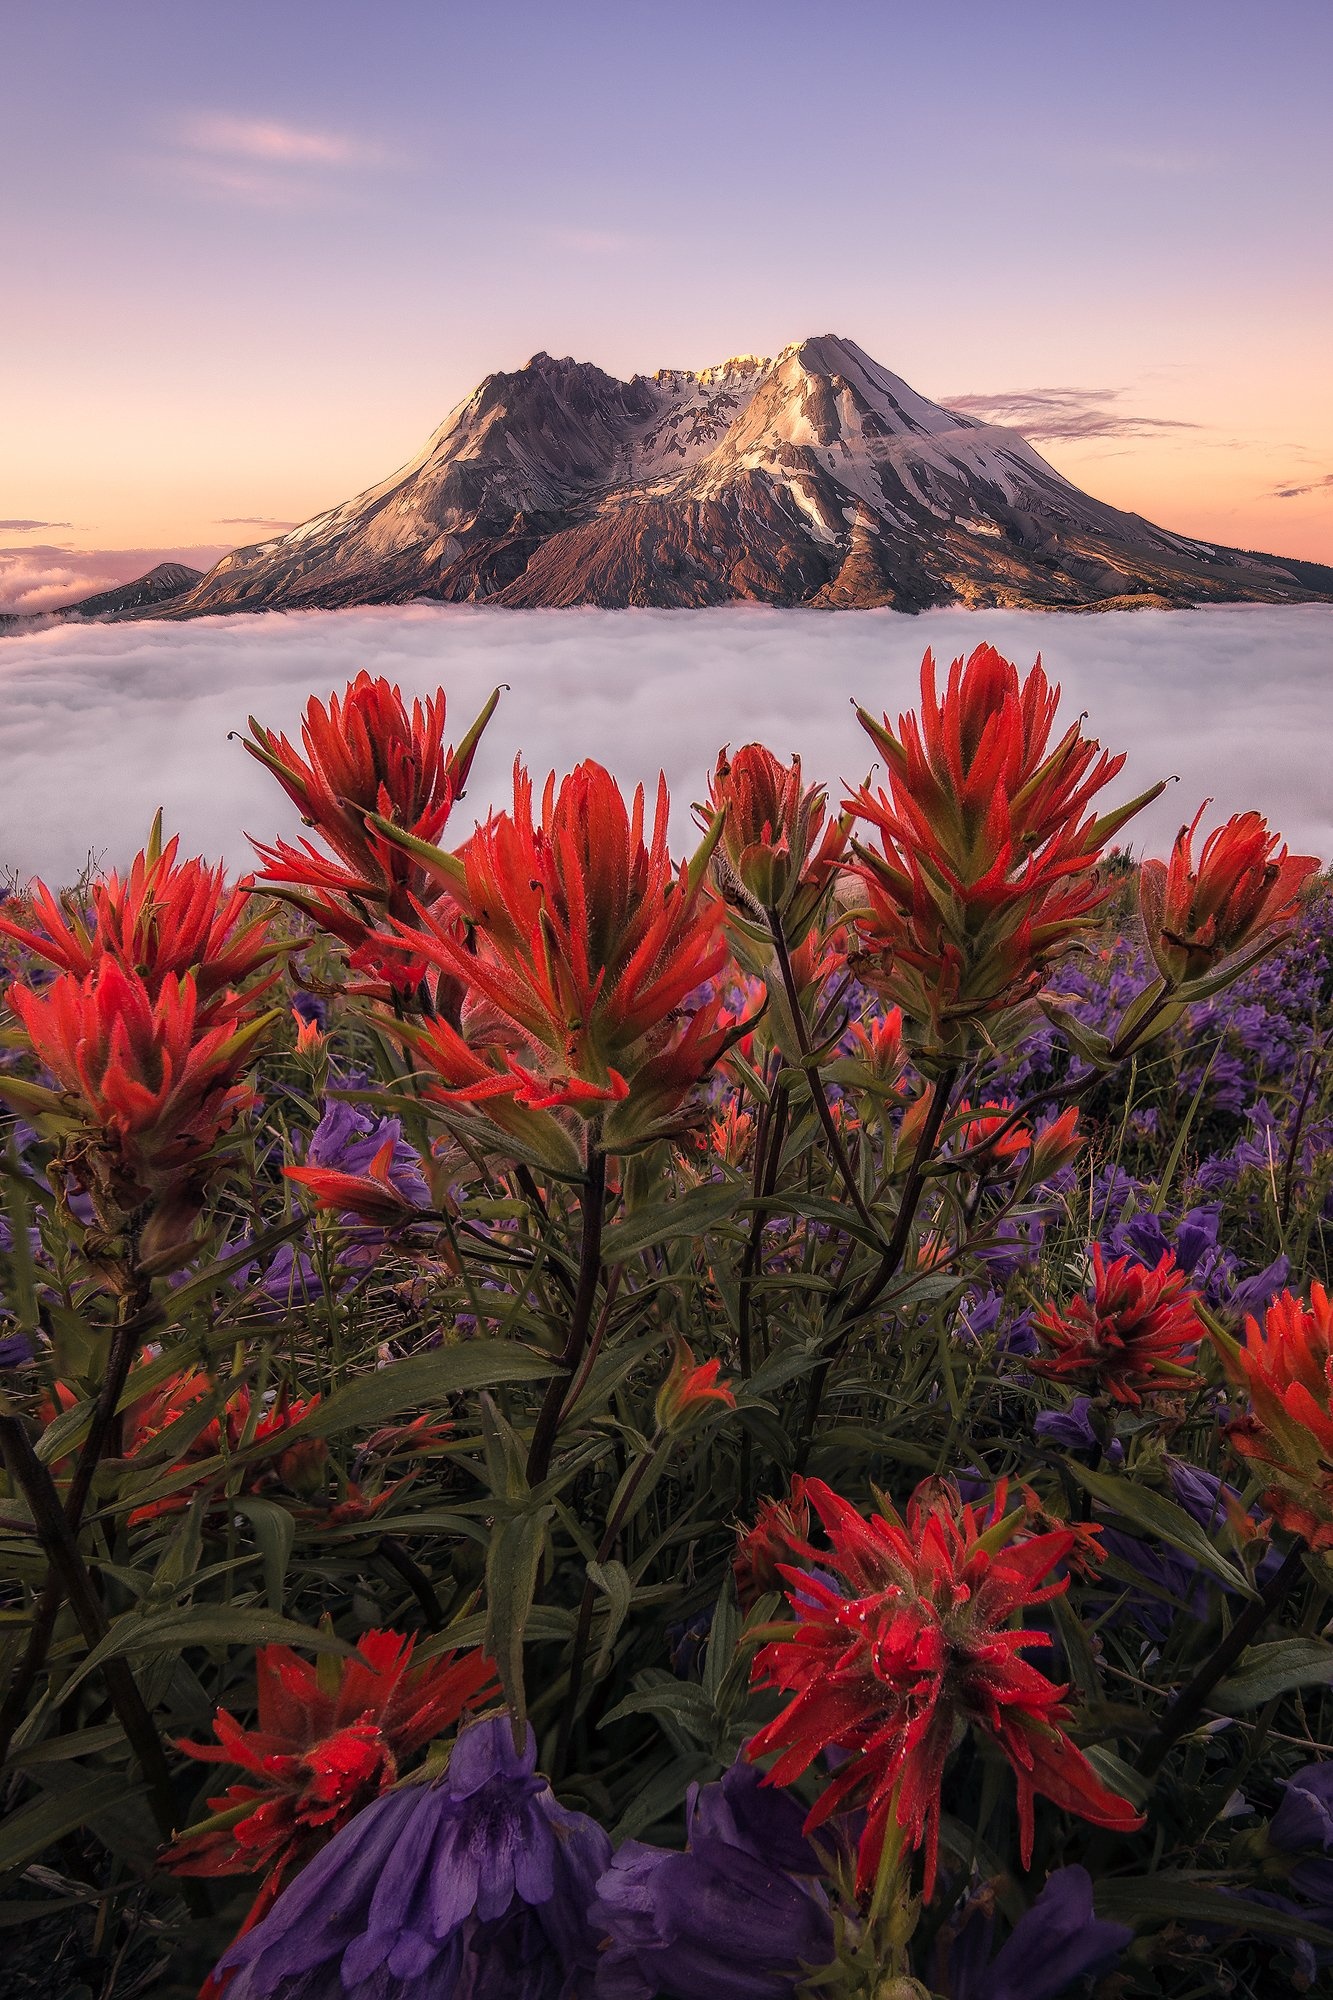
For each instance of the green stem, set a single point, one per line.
(103, 1429)
(580, 1319)
(583, 1628)
(62, 1552)
(894, 1252)
(1189, 1704)
(822, 1106)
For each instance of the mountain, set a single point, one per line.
(157, 587)
(815, 478)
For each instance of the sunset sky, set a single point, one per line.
(252, 255)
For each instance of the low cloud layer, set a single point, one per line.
(1063, 413)
(27, 527)
(36, 577)
(99, 725)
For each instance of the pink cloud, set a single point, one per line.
(275, 144)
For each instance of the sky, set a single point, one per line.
(122, 719)
(254, 254)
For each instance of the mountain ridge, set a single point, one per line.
(813, 477)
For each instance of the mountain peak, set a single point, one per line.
(813, 477)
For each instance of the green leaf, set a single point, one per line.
(38, 1825)
(512, 1562)
(1266, 1671)
(664, 1794)
(275, 1533)
(1161, 1517)
(684, 1702)
(1186, 1900)
(60, 1749)
(723, 1638)
(692, 1215)
(423, 1381)
(204, 1625)
(615, 1582)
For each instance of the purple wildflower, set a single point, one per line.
(1053, 1944)
(477, 1887)
(735, 1917)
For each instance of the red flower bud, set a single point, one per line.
(1197, 917)
(689, 1389)
(1286, 1368)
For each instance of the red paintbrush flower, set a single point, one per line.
(373, 1196)
(1286, 1369)
(988, 1132)
(211, 1453)
(1055, 1145)
(144, 1089)
(1241, 893)
(690, 1390)
(330, 1738)
(986, 865)
(584, 943)
(161, 921)
(912, 1643)
(365, 756)
(1131, 1338)
(780, 1534)
(731, 1134)
(775, 856)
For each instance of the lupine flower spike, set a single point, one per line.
(908, 1643)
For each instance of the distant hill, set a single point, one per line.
(815, 478)
(124, 600)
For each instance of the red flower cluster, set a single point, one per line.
(1242, 892)
(236, 1428)
(780, 1535)
(146, 1032)
(583, 944)
(1131, 1338)
(330, 1738)
(1286, 1368)
(164, 920)
(776, 857)
(366, 758)
(986, 867)
(914, 1643)
(149, 1083)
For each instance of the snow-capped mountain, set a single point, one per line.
(817, 477)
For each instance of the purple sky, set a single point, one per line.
(254, 253)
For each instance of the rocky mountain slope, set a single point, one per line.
(815, 478)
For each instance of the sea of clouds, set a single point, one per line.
(101, 724)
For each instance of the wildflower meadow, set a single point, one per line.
(583, 1424)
